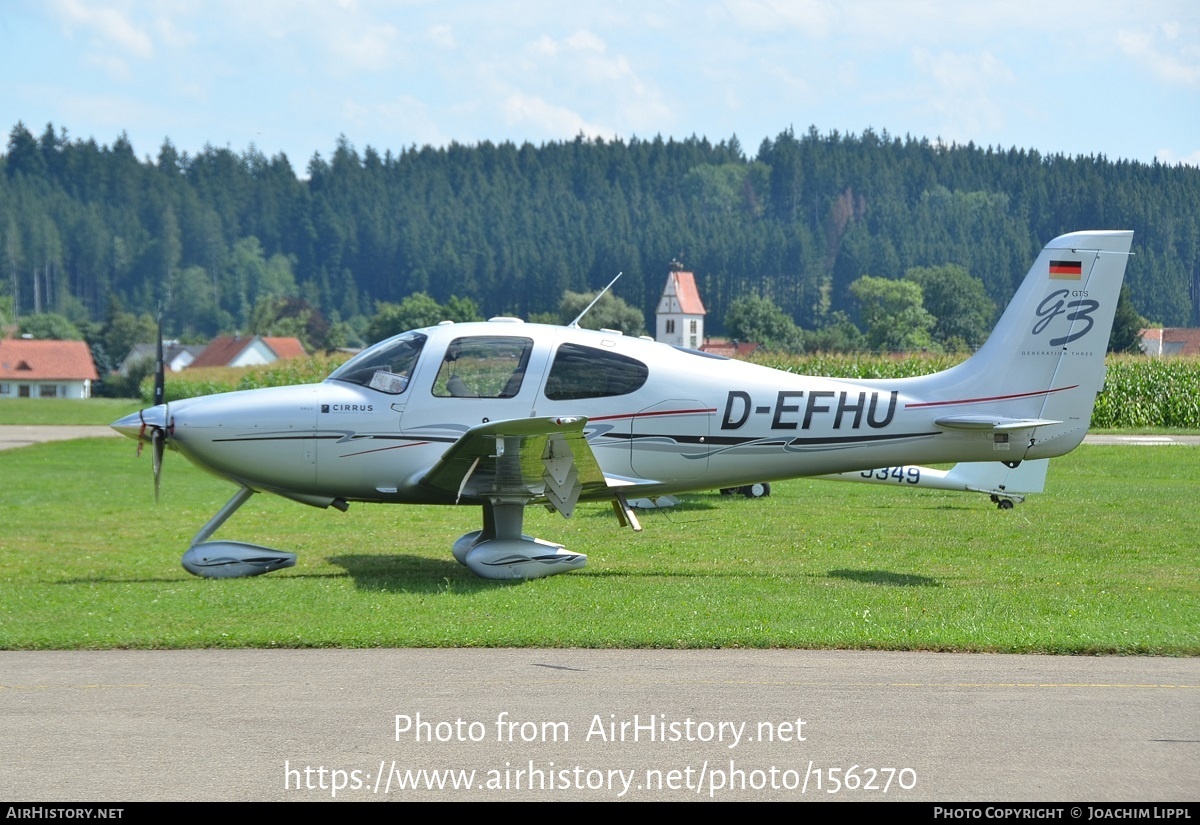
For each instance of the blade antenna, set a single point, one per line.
(575, 324)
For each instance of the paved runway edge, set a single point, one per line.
(551, 724)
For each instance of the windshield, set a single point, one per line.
(386, 366)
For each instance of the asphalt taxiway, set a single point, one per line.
(551, 724)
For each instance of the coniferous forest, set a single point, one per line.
(221, 240)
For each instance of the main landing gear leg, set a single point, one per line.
(501, 551)
(231, 559)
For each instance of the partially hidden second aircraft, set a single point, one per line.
(504, 414)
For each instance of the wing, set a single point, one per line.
(522, 459)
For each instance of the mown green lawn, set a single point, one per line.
(65, 411)
(1104, 562)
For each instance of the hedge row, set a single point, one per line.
(212, 380)
(1139, 393)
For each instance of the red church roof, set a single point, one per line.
(22, 359)
(687, 293)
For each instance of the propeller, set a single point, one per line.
(158, 431)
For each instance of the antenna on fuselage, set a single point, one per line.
(575, 324)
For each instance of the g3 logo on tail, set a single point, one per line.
(1055, 304)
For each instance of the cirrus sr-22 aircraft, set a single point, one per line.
(504, 414)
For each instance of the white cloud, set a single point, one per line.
(1167, 57)
(108, 25)
(404, 119)
(962, 73)
(544, 46)
(368, 48)
(442, 36)
(553, 121)
(1171, 158)
(585, 41)
(336, 39)
(966, 89)
(113, 66)
(113, 114)
(172, 35)
(435, 72)
(581, 67)
(811, 17)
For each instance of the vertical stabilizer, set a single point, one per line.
(1044, 361)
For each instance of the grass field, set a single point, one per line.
(63, 411)
(1104, 562)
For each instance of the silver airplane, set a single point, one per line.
(1005, 483)
(504, 414)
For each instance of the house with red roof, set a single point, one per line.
(247, 351)
(730, 349)
(46, 369)
(680, 313)
(176, 356)
(1171, 341)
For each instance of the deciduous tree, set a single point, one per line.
(893, 314)
(758, 319)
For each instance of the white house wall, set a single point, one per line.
(62, 389)
(255, 354)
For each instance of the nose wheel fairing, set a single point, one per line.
(231, 559)
(234, 559)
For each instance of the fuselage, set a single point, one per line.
(660, 419)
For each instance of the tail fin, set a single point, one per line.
(1000, 479)
(1044, 362)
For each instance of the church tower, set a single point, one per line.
(680, 314)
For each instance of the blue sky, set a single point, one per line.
(1115, 78)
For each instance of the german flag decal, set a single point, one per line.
(1066, 270)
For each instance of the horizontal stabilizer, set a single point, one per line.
(996, 423)
(999, 479)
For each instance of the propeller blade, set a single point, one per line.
(158, 440)
(158, 435)
(159, 377)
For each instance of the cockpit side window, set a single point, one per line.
(587, 372)
(386, 367)
(486, 366)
